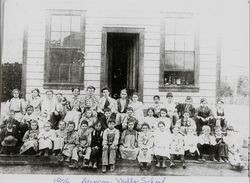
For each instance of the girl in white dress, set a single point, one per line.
(137, 107)
(150, 119)
(165, 118)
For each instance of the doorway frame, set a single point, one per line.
(104, 63)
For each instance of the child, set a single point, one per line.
(187, 106)
(137, 107)
(109, 146)
(128, 141)
(9, 137)
(60, 135)
(221, 146)
(176, 147)
(186, 122)
(90, 100)
(45, 140)
(107, 102)
(26, 120)
(145, 145)
(157, 105)
(89, 117)
(76, 100)
(96, 145)
(82, 149)
(108, 115)
(42, 119)
(161, 145)
(220, 115)
(150, 119)
(165, 118)
(16, 104)
(191, 141)
(206, 143)
(10, 120)
(48, 104)
(204, 116)
(123, 122)
(35, 101)
(73, 115)
(69, 142)
(30, 139)
(233, 149)
(170, 105)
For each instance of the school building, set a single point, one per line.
(139, 47)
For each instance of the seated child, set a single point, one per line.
(82, 149)
(176, 147)
(145, 145)
(89, 117)
(109, 146)
(45, 140)
(10, 119)
(220, 115)
(221, 146)
(30, 139)
(69, 142)
(130, 117)
(26, 120)
(60, 134)
(9, 137)
(191, 141)
(137, 107)
(233, 149)
(74, 115)
(157, 105)
(42, 119)
(165, 118)
(128, 141)
(186, 122)
(206, 143)
(106, 117)
(96, 145)
(161, 145)
(150, 119)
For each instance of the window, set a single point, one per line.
(179, 70)
(64, 57)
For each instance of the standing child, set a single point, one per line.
(128, 141)
(165, 118)
(145, 145)
(48, 104)
(30, 139)
(176, 147)
(110, 142)
(46, 138)
(60, 135)
(161, 145)
(96, 145)
(150, 119)
(82, 149)
(73, 115)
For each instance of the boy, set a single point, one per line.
(157, 105)
(186, 122)
(129, 117)
(90, 100)
(11, 119)
(27, 118)
(187, 106)
(110, 142)
(170, 105)
(76, 99)
(107, 102)
(106, 117)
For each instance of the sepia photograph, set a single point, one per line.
(124, 88)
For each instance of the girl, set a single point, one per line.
(220, 115)
(150, 119)
(176, 147)
(137, 107)
(161, 145)
(191, 141)
(48, 103)
(170, 105)
(145, 145)
(165, 119)
(186, 122)
(42, 119)
(73, 115)
(96, 145)
(30, 139)
(27, 118)
(46, 138)
(128, 148)
(16, 104)
(89, 116)
(60, 134)
(35, 101)
(76, 100)
(221, 146)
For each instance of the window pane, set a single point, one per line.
(55, 23)
(75, 39)
(169, 60)
(54, 73)
(180, 26)
(55, 39)
(169, 42)
(64, 72)
(179, 42)
(75, 72)
(189, 61)
(65, 23)
(190, 27)
(65, 37)
(179, 61)
(58, 56)
(189, 43)
(170, 26)
(75, 23)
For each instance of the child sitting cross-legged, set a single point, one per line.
(60, 134)
(30, 139)
(46, 138)
(128, 148)
(109, 146)
(82, 149)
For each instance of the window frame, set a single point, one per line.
(182, 88)
(47, 61)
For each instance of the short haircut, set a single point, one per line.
(75, 88)
(29, 107)
(111, 121)
(105, 88)
(145, 124)
(36, 89)
(164, 109)
(84, 122)
(49, 91)
(62, 122)
(11, 110)
(161, 122)
(90, 87)
(107, 109)
(156, 96)
(71, 123)
(206, 127)
(15, 90)
(130, 109)
(169, 94)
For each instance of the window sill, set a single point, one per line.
(62, 86)
(179, 88)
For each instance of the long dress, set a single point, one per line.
(176, 145)
(151, 121)
(73, 116)
(161, 143)
(145, 144)
(46, 139)
(18, 105)
(30, 140)
(129, 148)
(59, 139)
(36, 102)
(138, 110)
(191, 142)
(166, 120)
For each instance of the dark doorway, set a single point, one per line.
(122, 61)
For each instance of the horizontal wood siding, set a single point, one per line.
(95, 21)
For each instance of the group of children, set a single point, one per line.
(91, 132)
